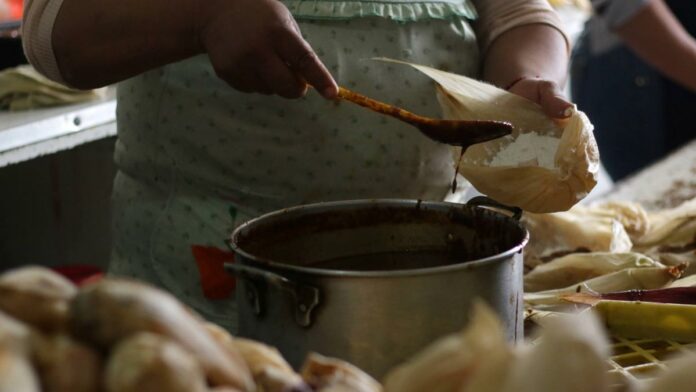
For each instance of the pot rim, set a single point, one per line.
(345, 204)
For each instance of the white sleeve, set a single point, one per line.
(498, 16)
(37, 33)
(616, 12)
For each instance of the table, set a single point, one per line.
(26, 135)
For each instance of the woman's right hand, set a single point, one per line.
(256, 46)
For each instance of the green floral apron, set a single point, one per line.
(196, 158)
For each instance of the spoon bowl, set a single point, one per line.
(453, 132)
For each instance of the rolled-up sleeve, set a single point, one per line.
(37, 32)
(498, 16)
(616, 12)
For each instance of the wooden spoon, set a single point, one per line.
(453, 132)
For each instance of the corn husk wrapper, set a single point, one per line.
(578, 267)
(14, 334)
(631, 215)
(465, 361)
(578, 228)
(628, 279)
(16, 372)
(671, 227)
(569, 356)
(679, 376)
(326, 374)
(528, 186)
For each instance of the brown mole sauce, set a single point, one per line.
(456, 168)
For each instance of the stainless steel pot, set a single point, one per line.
(374, 318)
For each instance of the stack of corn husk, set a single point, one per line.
(616, 247)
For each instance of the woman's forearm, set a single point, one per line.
(658, 38)
(529, 51)
(98, 42)
(253, 45)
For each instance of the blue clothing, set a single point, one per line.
(639, 115)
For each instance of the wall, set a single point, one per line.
(55, 210)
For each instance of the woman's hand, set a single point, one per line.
(544, 92)
(256, 46)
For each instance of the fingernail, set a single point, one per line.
(567, 112)
(329, 92)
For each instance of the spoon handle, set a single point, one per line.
(381, 107)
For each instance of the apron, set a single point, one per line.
(197, 158)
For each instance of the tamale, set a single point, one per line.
(528, 185)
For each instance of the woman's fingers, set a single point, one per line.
(545, 93)
(256, 46)
(302, 60)
(283, 81)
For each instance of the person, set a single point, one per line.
(633, 73)
(197, 154)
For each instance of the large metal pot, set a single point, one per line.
(374, 317)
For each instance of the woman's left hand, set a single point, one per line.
(544, 92)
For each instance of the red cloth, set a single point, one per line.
(16, 9)
(215, 281)
(80, 274)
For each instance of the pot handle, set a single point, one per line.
(306, 297)
(483, 201)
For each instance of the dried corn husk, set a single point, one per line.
(14, 334)
(451, 363)
(631, 215)
(334, 375)
(570, 356)
(528, 186)
(581, 227)
(628, 279)
(689, 281)
(679, 376)
(671, 227)
(16, 372)
(578, 267)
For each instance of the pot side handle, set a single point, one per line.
(306, 297)
(483, 201)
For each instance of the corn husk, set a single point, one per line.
(581, 227)
(689, 281)
(451, 364)
(671, 227)
(578, 267)
(628, 279)
(14, 334)
(528, 186)
(326, 374)
(569, 356)
(679, 376)
(16, 372)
